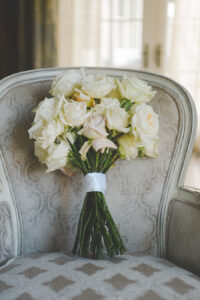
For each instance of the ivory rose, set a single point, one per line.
(135, 89)
(128, 146)
(65, 83)
(49, 132)
(145, 127)
(94, 127)
(97, 86)
(102, 143)
(45, 110)
(55, 157)
(74, 113)
(116, 117)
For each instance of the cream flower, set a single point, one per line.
(65, 83)
(94, 127)
(84, 149)
(145, 127)
(135, 90)
(57, 156)
(45, 110)
(49, 132)
(128, 146)
(102, 143)
(97, 86)
(106, 103)
(39, 152)
(36, 129)
(118, 119)
(151, 147)
(82, 97)
(74, 113)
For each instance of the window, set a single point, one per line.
(121, 33)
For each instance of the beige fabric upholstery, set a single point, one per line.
(49, 204)
(129, 277)
(184, 237)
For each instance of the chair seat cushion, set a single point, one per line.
(61, 276)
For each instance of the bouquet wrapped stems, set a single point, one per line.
(96, 226)
(91, 121)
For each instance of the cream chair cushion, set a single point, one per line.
(129, 277)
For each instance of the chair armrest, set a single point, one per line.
(6, 238)
(183, 238)
(9, 217)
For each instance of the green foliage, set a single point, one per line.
(126, 104)
(57, 141)
(141, 151)
(96, 225)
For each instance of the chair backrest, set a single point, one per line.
(39, 211)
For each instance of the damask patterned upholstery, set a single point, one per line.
(53, 201)
(129, 277)
(39, 212)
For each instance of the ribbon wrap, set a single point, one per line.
(95, 182)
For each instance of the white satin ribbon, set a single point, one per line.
(95, 182)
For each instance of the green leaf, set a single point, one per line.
(126, 104)
(141, 151)
(57, 141)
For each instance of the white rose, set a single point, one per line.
(84, 149)
(145, 127)
(39, 152)
(65, 83)
(45, 110)
(48, 109)
(94, 127)
(118, 119)
(57, 156)
(74, 113)
(49, 132)
(35, 130)
(106, 103)
(150, 147)
(102, 143)
(128, 146)
(97, 86)
(135, 90)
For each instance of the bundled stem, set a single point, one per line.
(96, 226)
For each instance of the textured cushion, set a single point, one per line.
(61, 276)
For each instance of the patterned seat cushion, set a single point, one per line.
(60, 276)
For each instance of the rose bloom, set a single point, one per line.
(65, 83)
(97, 86)
(55, 157)
(94, 127)
(135, 90)
(128, 146)
(145, 127)
(74, 113)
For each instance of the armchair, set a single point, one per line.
(158, 217)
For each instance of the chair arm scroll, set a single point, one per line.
(183, 237)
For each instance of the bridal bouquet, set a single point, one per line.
(90, 121)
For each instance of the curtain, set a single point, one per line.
(79, 32)
(28, 35)
(185, 51)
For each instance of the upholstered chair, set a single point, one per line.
(158, 218)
